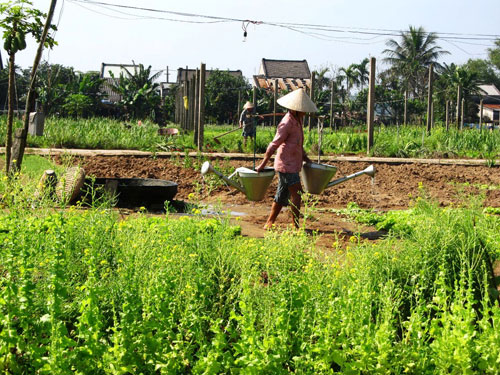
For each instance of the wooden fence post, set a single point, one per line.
(332, 119)
(274, 101)
(309, 117)
(405, 113)
(196, 104)
(481, 115)
(371, 104)
(237, 117)
(447, 115)
(429, 99)
(462, 115)
(459, 100)
(201, 114)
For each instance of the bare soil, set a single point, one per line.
(394, 187)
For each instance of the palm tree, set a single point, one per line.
(351, 76)
(363, 72)
(412, 55)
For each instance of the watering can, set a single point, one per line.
(251, 183)
(316, 177)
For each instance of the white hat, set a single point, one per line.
(299, 101)
(248, 105)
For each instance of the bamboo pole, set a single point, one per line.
(405, 114)
(459, 100)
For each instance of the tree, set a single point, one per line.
(18, 20)
(363, 72)
(221, 94)
(139, 92)
(494, 54)
(411, 57)
(484, 70)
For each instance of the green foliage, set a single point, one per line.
(139, 92)
(190, 295)
(221, 96)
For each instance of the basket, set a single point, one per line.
(69, 185)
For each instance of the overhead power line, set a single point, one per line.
(324, 32)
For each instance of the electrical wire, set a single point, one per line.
(307, 29)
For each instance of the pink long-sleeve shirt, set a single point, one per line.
(289, 141)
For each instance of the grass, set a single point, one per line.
(82, 291)
(401, 141)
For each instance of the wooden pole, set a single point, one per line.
(192, 114)
(447, 115)
(254, 98)
(274, 101)
(239, 106)
(196, 104)
(459, 100)
(371, 104)
(481, 115)
(429, 100)
(201, 114)
(332, 119)
(309, 118)
(462, 115)
(405, 114)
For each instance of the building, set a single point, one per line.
(289, 75)
(491, 103)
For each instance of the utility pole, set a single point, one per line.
(429, 100)
(371, 104)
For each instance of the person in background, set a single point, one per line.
(289, 144)
(247, 122)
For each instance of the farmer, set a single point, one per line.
(289, 140)
(247, 122)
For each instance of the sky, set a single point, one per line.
(90, 34)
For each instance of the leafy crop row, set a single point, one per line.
(84, 292)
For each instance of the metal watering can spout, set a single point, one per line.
(207, 167)
(251, 183)
(316, 177)
(370, 171)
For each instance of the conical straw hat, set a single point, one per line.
(248, 105)
(299, 101)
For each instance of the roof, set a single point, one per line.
(181, 73)
(116, 69)
(489, 90)
(492, 106)
(289, 75)
(285, 69)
